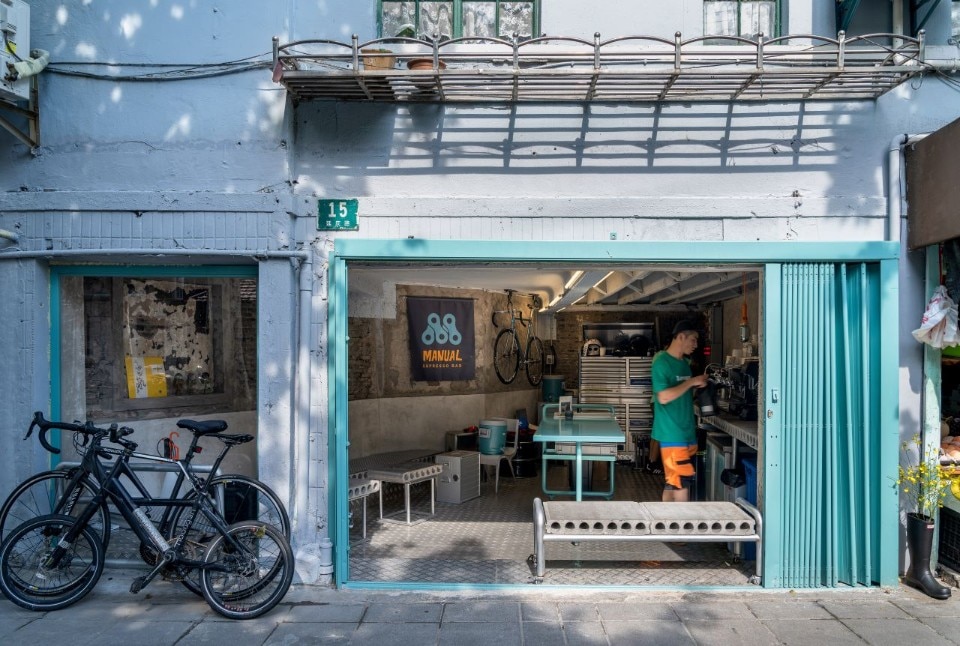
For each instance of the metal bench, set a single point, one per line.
(359, 489)
(602, 520)
(408, 473)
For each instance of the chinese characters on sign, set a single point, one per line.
(337, 215)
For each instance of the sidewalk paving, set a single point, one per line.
(166, 613)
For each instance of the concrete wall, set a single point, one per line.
(400, 423)
(226, 165)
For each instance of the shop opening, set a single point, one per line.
(599, 327)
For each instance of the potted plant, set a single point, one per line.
(378, 59)
(925, 482)
(384, 59)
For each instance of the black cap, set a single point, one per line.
(686, 325)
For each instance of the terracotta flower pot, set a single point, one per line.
(378, 59)
(427, 83)
(424, 64)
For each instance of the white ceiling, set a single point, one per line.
(559, 287)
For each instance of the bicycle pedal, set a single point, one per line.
(138, 584)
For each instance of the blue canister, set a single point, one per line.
(552, 388)
(492, 436)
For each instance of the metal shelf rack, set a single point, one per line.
(624, 383)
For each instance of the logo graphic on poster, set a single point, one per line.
(441, 339)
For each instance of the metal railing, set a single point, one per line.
(623, 69)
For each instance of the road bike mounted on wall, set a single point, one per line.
(52, 561)
(507, 353)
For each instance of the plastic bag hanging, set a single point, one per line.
(938, 328)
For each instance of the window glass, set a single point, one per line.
(436, 20)
(397, 15)
(156, 344)
(757, 18)
(955, 19)
(746, 18)
(458, 18)
(516, 18)
(720, 18)
(479, 19)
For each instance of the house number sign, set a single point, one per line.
(337, 215)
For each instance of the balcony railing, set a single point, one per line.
(628, 69)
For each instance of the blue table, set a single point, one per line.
(591, 424)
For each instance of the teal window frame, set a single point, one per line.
(776, 17)
(458, 16)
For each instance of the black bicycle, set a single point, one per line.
(507, 355)
(53, 561)
(66, 491)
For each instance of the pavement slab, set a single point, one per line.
(894, 631)
(804, 632)
(730, 632)
(662, 633)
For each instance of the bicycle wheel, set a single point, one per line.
(506, 355)
(534, 360)
(237, 498)
(30, 580)
(53, 492)
(246, 583)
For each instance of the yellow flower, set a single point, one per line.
(922, 479)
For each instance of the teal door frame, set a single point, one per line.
(770, 255)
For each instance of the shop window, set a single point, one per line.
(157, 347)
(955, 21)
(746, 18)
(446, 19)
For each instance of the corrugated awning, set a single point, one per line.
(628, 69)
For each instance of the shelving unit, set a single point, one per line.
(624, 383)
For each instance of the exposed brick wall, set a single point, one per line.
(379, 362)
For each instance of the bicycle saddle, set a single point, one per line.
(203, 428)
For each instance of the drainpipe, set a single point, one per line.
(9, 235)
(895, 183)
(300, 474)
(897, 21)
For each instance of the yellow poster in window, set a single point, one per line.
(145, 377)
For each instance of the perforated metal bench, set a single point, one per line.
(359, 489)
(408, 473)
(614, 520)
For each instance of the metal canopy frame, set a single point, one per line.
(634, 69)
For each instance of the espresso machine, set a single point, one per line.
(743, 383)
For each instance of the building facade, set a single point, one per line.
(170, 222)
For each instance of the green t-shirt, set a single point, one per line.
(673, 423)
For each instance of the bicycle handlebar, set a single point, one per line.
(86, 429)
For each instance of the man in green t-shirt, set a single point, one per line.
(674, 423)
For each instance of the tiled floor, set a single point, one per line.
(489, 539)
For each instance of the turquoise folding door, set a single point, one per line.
(829, 490)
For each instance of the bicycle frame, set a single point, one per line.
(144, 497)
(109, 488)
(518, 351)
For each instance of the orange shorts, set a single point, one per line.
(678, 468)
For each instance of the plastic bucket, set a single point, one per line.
(552, 388)
(492, 436)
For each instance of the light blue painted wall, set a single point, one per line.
(228, 163)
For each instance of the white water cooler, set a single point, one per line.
(460, 480)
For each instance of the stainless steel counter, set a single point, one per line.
(737, 428)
